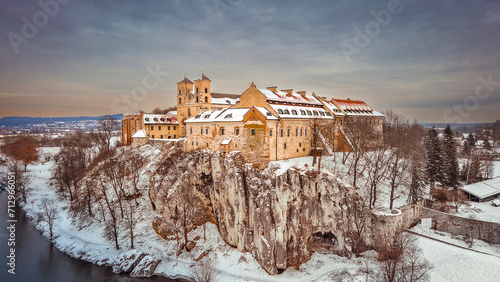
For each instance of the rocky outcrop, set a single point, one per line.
(280, 217)
(145, 268)
(127, 261)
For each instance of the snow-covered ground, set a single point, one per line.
(87, 242)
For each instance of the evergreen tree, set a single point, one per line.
(418, 177)
(449, 159)
(469, 144)
(433, 148)
(487, 144)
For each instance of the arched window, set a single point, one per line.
(206, 90)
(206, 99)
(179, 92)
(197, 99)
(196, 89)
(180, 101)
(189, 112)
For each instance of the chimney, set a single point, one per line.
(302, 93)
(289, 91)
(272, 88)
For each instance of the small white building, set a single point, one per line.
(484, 190)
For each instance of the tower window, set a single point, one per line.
(282, 132)
(206, 99)
(202, 131)
(206, 130)
(206, 90)
(270, 132)
(284, 146)
(180, 101)
(222, 131)
(197, 99)
(237, 131)
(196, 89)
(191, 130)
(253, 131)
(179, 94)
(289, 132)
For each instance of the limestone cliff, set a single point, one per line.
(280, 216)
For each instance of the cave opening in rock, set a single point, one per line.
(322, 241)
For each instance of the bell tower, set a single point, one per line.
(203, 89)
(183, 87)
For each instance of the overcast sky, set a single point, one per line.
(426, 61)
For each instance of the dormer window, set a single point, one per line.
(287, 112)
(197, 116)
(322, 113)
(309, 113)
(269, 114)
(280, 111)
(155, 119)
(229, 116)
(162, 119)
(302, 112)
(294, 112)
(328, 114)
(147, 119)
(207, 116)
(315, 113)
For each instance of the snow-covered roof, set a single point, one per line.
(332, 107)
(224, 101)
(225, 141)
(357, 108)
(484, 189)
(227, 115)
(294, 97)
(291, 111)
(140, 134)
(168, 118)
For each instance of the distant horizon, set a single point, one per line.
(430, 61)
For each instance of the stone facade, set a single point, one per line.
(155, 126)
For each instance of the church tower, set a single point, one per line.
(184, 87)
(203, 90)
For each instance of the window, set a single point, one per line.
(197, 99)
(302, 112)
(155, 119)
(207, 145)
(152, 136)
(206, 130)
(202, 131)
(168, 127)
(270, 132)
(179, 98)
(280, 111)
(284, 146)
(328, 114)
(206, 90)
(305, 132)
(309, 113)
(206, 99)
(169, 137)
(196, 89)
(315, 113)
(189, 112)
(237, 131)
(222, 131)
(287, 112)
(161, 136)
(253, 131)
(152, 127)
(175, 136)
(162, 119)
(197, 116)
(296, 132)
(294, 112)
(175, 127)
(282, 132)
(269, 114)
(322, 113)
(289, 132)
(229, 116)
(159, 127)
(191, 130)
(301, 132)
(147, 119)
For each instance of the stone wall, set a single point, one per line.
(484, 230)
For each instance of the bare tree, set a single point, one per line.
(21, 148)
(457, 199)
(377, 165)
(112, 228)
(48, 213)
(400, 259)
(130, 221)
(185, 207)
(204, 271)
(358, 216)
(107, 125)
(360, 136)
(22, 179)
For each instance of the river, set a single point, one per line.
(37, 260)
